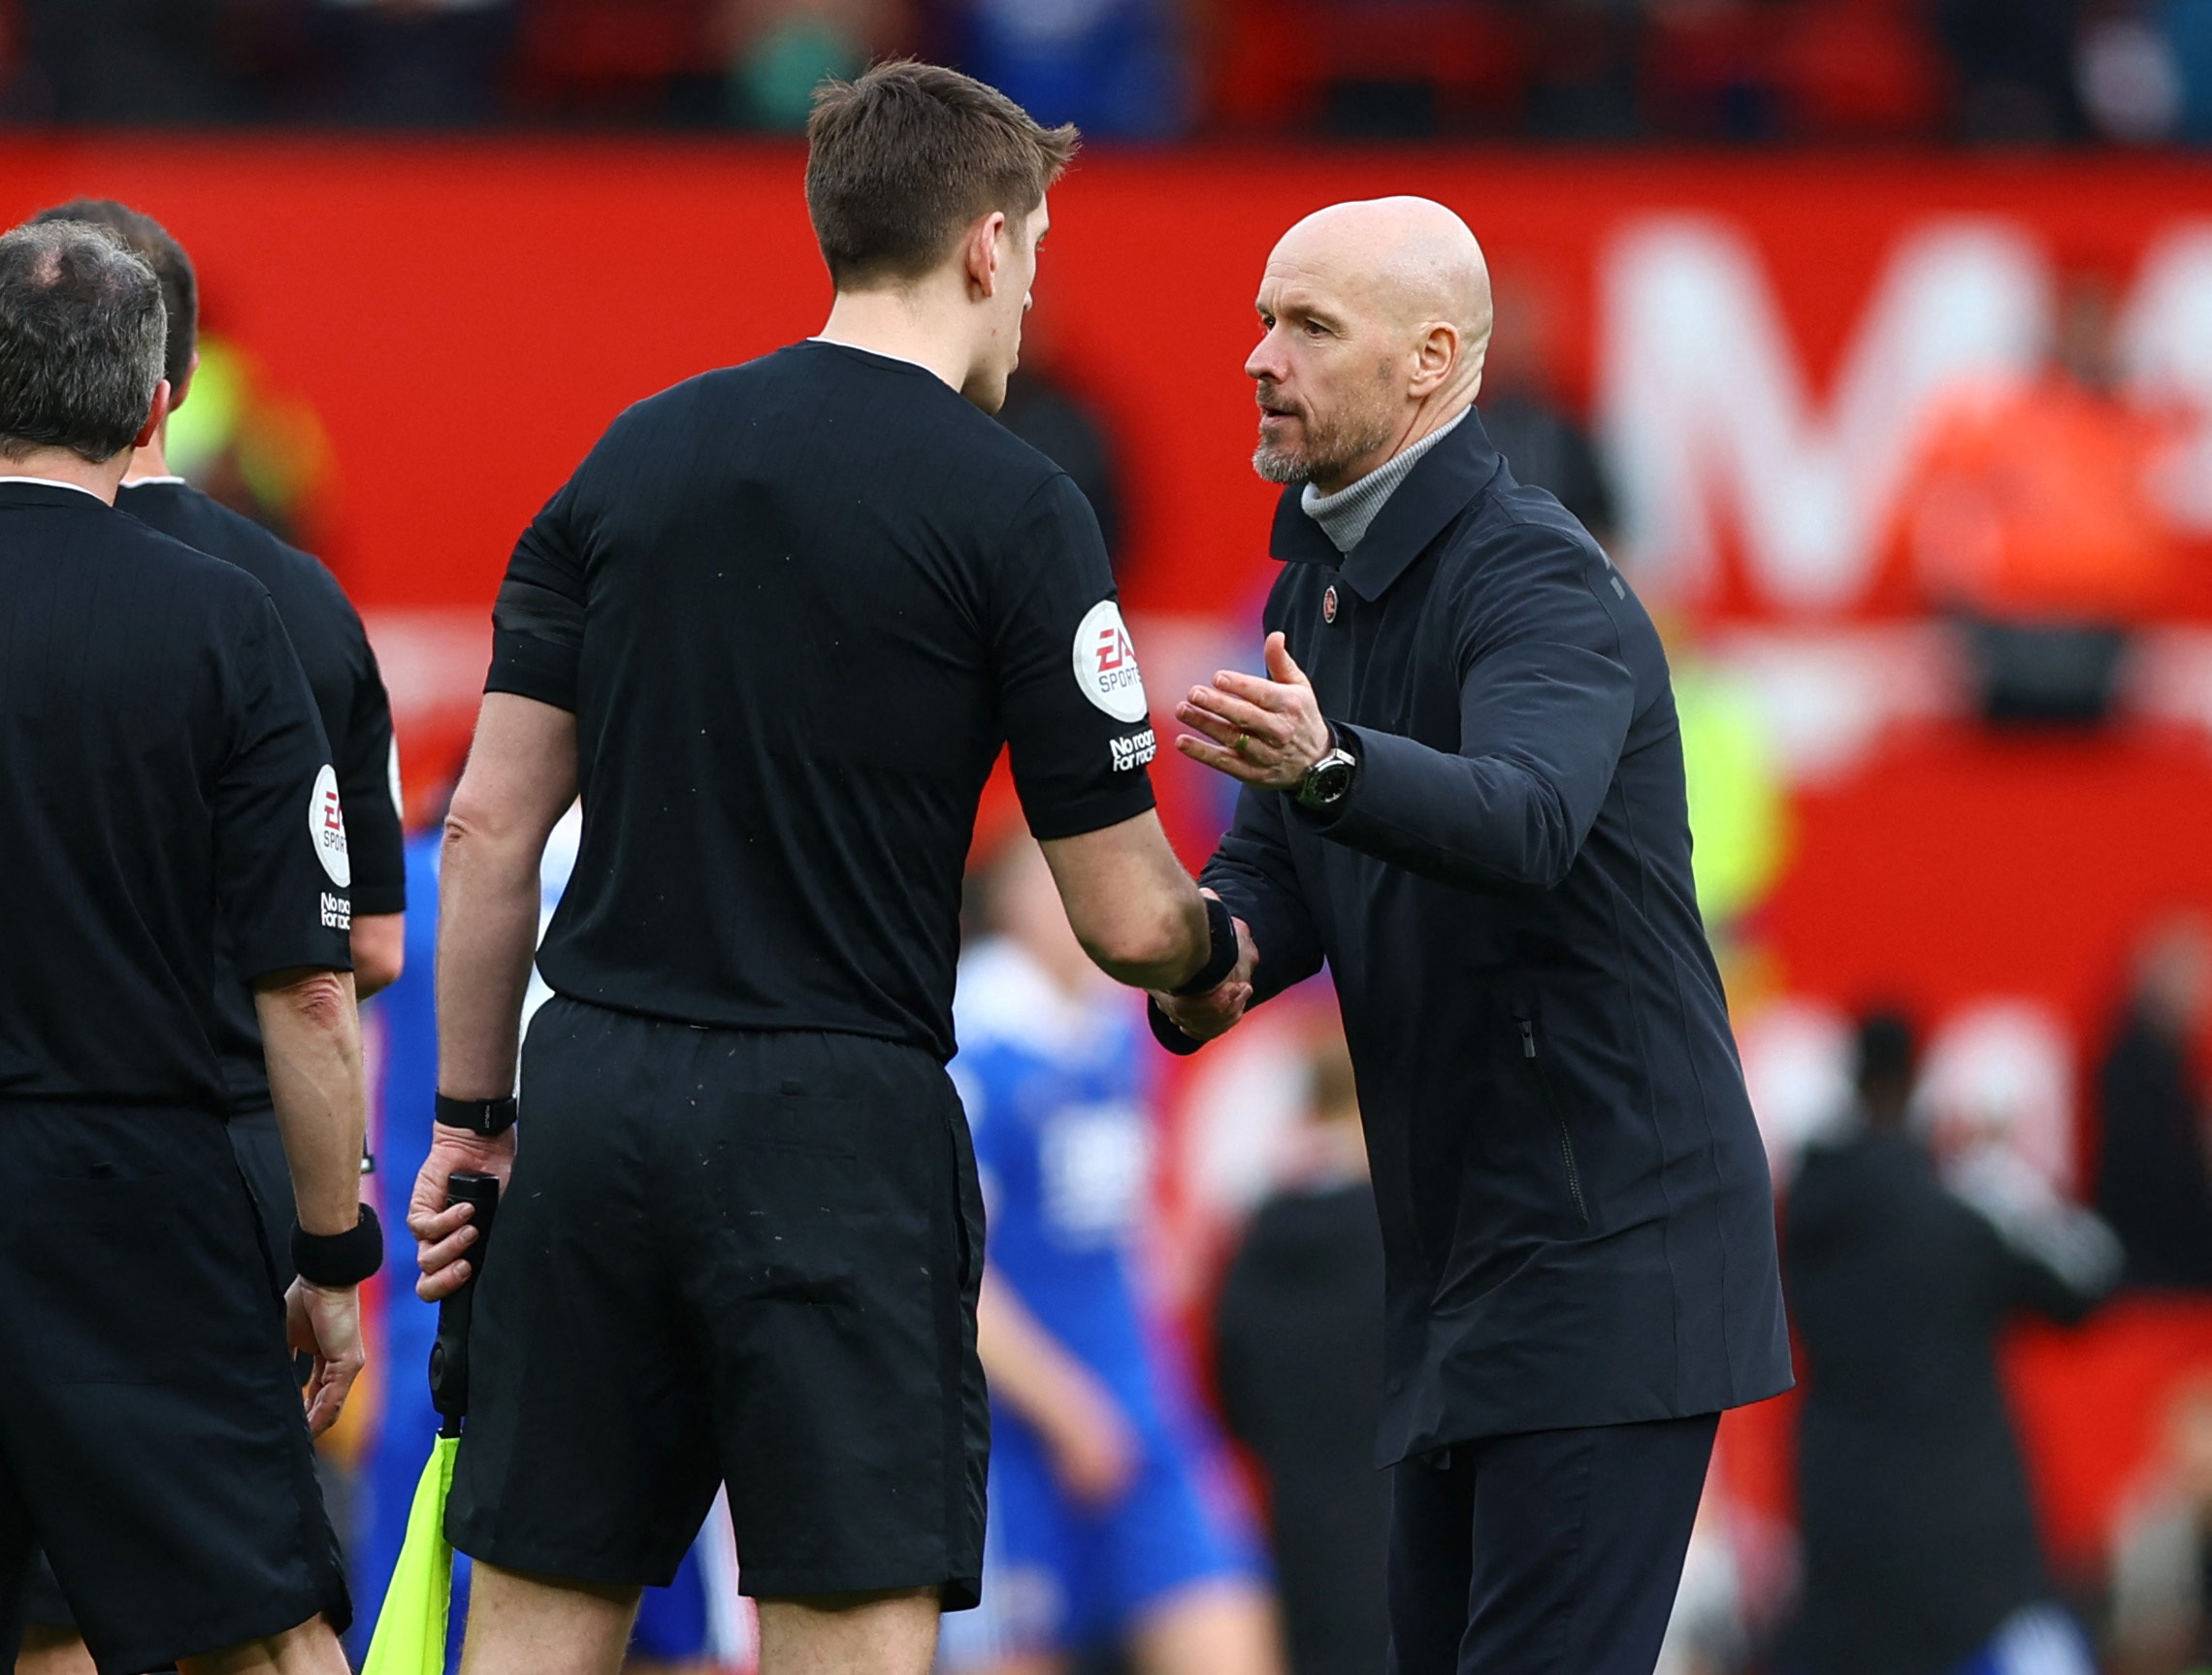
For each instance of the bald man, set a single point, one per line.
(1462, 788)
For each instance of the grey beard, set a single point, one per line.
(1332, 448)
(1276, 465)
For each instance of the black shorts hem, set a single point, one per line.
(769, 1582)
(525, 1559)
(236, 1628)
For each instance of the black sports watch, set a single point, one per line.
(1328, 783)
(485, 1117)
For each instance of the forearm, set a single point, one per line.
(311, 1036)
(1028, 1368)
(521, 775)
(487, 934)
(1132, 906)
(1482, 822)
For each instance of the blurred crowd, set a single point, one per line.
(2126, 71)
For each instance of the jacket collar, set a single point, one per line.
(1449, 479)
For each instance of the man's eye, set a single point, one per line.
(1315, 329)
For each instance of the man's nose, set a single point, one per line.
(1265, 360)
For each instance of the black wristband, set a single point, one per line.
(1221, 951)
(339, 1260)
(484, 1117)
(1166, 1033)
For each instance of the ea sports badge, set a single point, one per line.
(326, 829)
(1106, 664)
(1328, 605)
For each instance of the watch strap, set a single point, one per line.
(485, 1117)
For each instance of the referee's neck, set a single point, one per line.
(918, 325)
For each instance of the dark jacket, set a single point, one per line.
(1919, 1541)
(1576, 1219)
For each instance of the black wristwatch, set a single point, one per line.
(1328, 783)
(483, 1117)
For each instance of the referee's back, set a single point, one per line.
(796, 606)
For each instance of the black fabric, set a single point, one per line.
(1551, 1553)
(1299, 1349)
(163, 756)
(1576, 1216)
(2152, 1183)
(348, 689)
(258, 1144)
(150, 1435)
(793, 656)
(1918, 1536)
(730, 1255)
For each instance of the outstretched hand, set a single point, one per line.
(1266, 733)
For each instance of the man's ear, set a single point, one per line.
(155, 412)
(185, 384)
(984, 249)
(1436, 356)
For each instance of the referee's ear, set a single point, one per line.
(984, 252)
(155, 412)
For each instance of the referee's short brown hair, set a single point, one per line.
(150, 242)
(903, 157)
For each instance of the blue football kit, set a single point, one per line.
(1058, 1095)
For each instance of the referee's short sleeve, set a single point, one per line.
(368, 763)
(537, 620)
(283, 870)
(1077, 726)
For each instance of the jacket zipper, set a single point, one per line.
(1558, 1121)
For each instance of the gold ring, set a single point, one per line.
(1243, 740)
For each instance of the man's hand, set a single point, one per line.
(1266, 733)
(326, 1323)
(1204, 1017)
(443, 1233)
(1095, 1450)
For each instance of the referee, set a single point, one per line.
(357, 721)
(166, 776)
(776, 629)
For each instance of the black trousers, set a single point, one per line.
(1549, 1552)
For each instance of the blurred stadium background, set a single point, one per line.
(1874, 336)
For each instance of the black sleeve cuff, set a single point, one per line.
(1093, 812)
(533, 667)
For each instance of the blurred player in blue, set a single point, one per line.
(1114, 1516)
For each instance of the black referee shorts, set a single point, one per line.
(150, 1434)
(734, 1257)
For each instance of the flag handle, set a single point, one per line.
(449, 1354)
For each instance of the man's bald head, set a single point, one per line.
(1378, 316)
(1409, 257)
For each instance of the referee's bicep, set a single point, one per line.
(283, 872)
(538, 619)
(1077, 727)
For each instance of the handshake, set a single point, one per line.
(1185, 1023)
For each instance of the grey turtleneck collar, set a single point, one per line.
(1345, 515)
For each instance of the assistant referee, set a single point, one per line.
(326, 632)
(777, 628)
(166, 776)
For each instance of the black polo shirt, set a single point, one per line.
(349, 690)
(1576, 1217)
(798, 606)
(165, 775)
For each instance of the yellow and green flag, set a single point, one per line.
(410, 1629)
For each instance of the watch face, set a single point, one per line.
(1330, 780)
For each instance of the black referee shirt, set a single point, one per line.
(162, 771)
(356, 717)
(798, 606)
